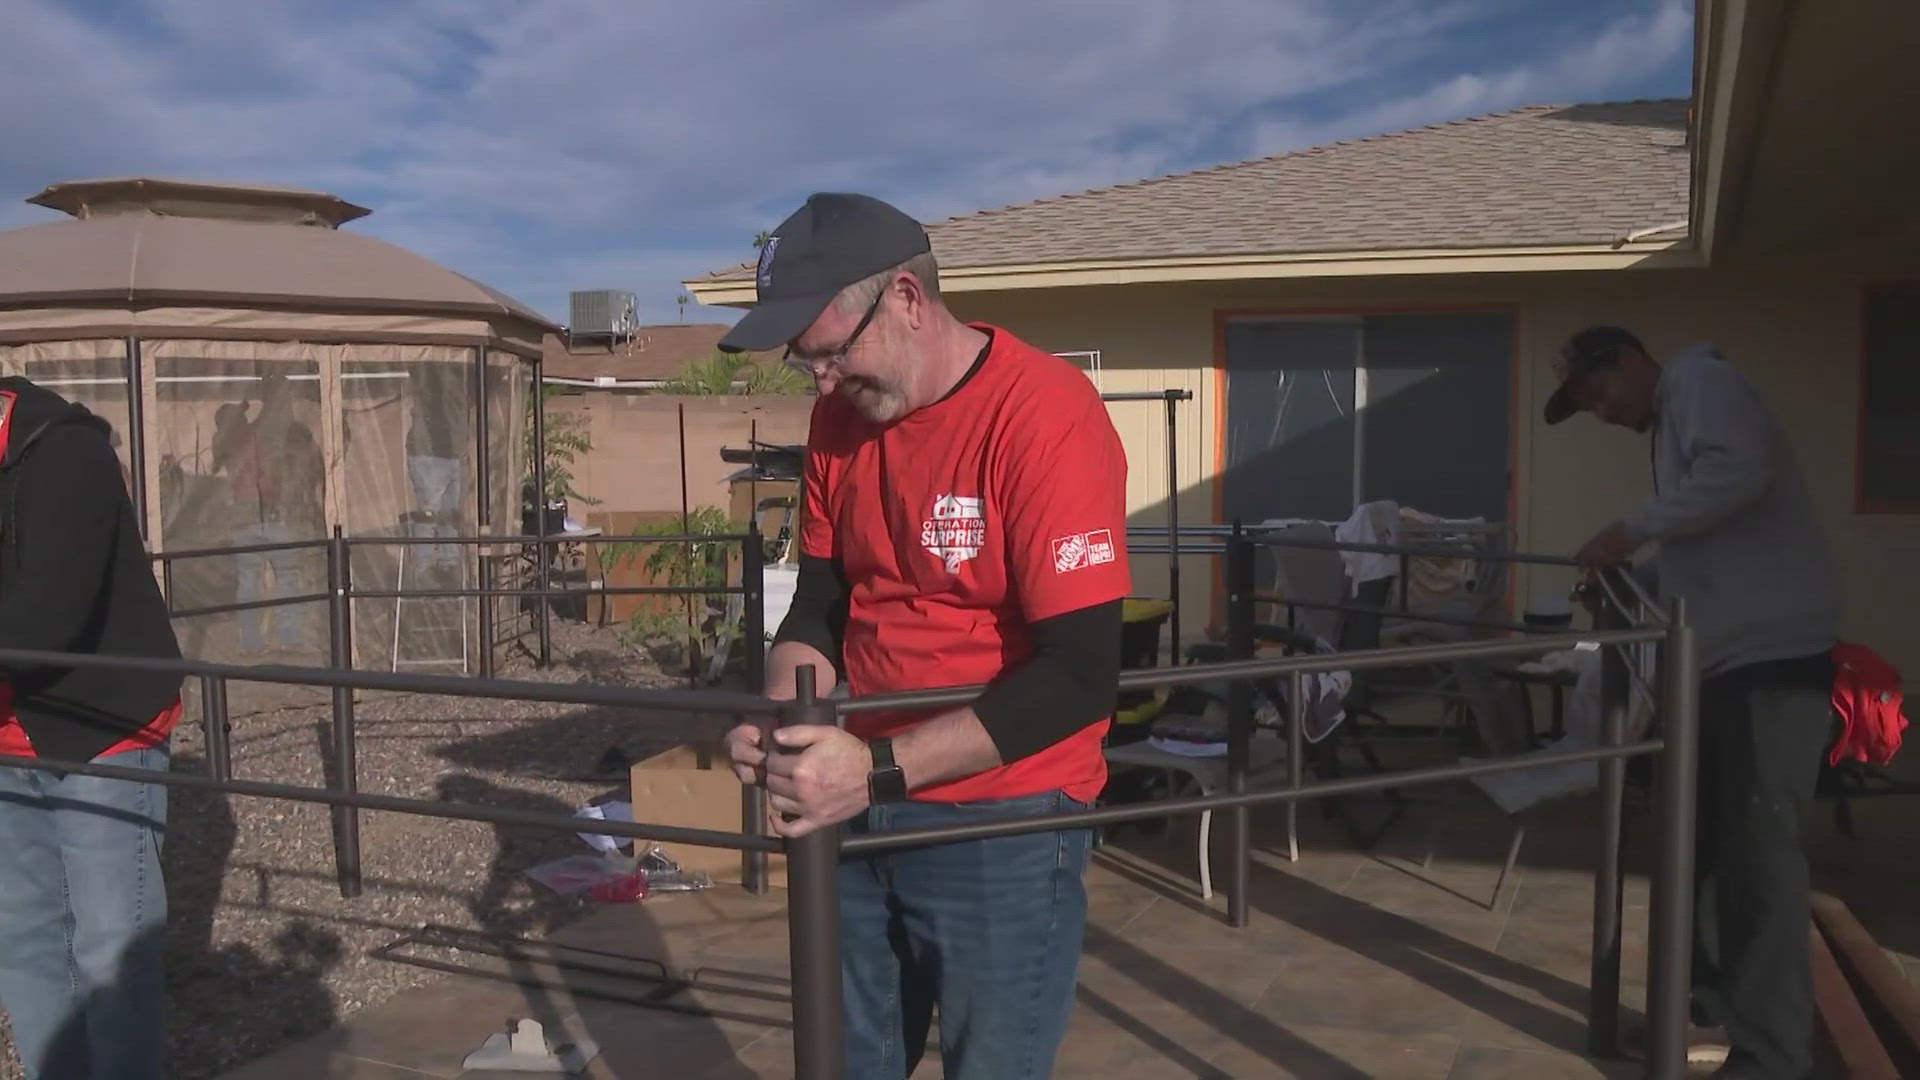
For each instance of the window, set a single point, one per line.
(1889, 461)
(1327, 412)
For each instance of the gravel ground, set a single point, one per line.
(262, 948)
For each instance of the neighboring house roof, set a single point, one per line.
(653, 354)
(1540, 176)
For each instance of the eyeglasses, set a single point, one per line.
(835, 357)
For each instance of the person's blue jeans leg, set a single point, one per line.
(83, 913)
(290, 623)
(889, 1006)
(39, 982)
(248, 569)
(990, 929)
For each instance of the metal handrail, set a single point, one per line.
(813, 859)
(703, 701)
(1269, 667)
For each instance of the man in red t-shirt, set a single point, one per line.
(965, 523)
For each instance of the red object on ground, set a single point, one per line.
(1868, 696)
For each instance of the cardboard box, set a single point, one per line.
(691, 787)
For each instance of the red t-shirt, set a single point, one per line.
(14, 741)
(959, 526)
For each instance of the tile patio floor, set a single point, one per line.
(1356, 965)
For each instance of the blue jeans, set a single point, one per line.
(436, 490)
(290, 623)
(83, 915)
(987, 930)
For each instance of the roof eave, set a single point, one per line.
(1649, 254)
(380, 305)
(1736, 52)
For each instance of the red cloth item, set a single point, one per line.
(962, 524)
(14, 741)
(1867, 694)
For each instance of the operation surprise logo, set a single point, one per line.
(956, 531)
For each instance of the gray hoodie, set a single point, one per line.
(1739, 536)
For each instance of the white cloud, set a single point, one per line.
(544, 145)
(1629, 49)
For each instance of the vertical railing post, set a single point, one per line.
(1296, 756)
(753, 640)
(1240, 561)
(489, 614)
(346, 819)
(1603, 988)
(1671, 938)
(1173, 525)
(813, 920)
(483, 505)
(137, 435)
(166, 581)
(543, 575)
(213, 719)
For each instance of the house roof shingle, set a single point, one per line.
(1544, 175)
(654, 353)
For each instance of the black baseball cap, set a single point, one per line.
(833, 241)
(1585, 352)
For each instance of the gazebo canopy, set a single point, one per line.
(272, 377)
(171, 258)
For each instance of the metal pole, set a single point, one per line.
(137, 435)
(1669, 972)
(213, 718)
(1173, 525)
(1296, 756)
(686, 526)
(488, 613)
(753, 798)
(543, 618)
(1603, 993)
(1240, 554)
(346, 819)
(483, 501)
(813, 922)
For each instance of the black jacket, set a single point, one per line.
(74, 577)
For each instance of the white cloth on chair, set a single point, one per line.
(777, 583)
(1371, 523)
(1519, 789)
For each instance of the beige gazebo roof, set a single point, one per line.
(145, 244)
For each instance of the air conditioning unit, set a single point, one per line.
(602, 313)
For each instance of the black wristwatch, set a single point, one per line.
(887, 783)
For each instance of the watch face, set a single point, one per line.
(887, 784)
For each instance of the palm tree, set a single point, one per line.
(736, 373)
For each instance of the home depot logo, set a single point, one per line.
(956, 531)
(1082, 549)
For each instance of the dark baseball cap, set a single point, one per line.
(833, 241)
(1589, 350)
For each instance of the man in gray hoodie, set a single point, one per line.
(1740, 539)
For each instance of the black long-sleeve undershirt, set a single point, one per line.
(1071, 680)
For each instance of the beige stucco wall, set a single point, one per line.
(635, 461)
(1794, 327)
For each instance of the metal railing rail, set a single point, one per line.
(813, 901)
(813, 859)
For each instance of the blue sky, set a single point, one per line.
(549, 145)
